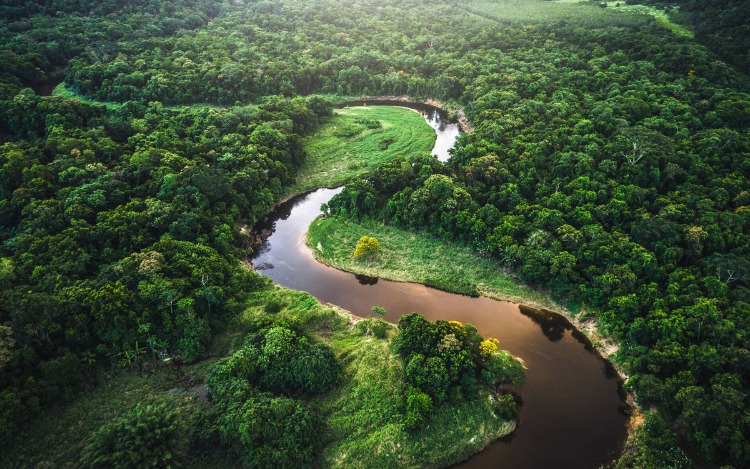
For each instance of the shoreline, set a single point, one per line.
(604, 347)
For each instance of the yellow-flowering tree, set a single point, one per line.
(367, 248)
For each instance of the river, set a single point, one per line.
(573, 413)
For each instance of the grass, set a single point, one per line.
(57, 438)
(356, 140)
(362, 414)
(578, 12)
(62, 91)
(412, 257)
(659, 15)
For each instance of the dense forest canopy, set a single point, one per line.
(609, 163)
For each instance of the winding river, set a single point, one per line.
(573, 412)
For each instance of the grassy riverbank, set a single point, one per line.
(356, 140)
(411, 257)
(362, 414)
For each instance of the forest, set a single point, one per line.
(608, 164)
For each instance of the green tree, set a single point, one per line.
(148, 435)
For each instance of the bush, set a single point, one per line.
(418, 408)
(146, 436)
(270, 431)
(290, 363)
(273, 307)
(506, 407)
(367, 248)
(380, 329)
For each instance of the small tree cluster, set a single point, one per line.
(367, 248)
(255, 415)
(447, 360)
(146, 436)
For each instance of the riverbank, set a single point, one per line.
(454, 111)
(411, 257)
(364, 413)
(419, 258)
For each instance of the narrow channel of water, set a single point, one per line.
(573, 412)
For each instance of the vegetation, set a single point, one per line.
(608, 164)
(445, 361)
(358, 140)
(147, 436)
(419, 258)
(367, 421)
(366, 248)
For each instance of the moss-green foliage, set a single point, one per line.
(263, 429)
(254, 414)
(626, 196)
(350, 144)
(608, 163)
(723, 25)
(119, 235)
(148, 435)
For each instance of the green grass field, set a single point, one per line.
(411, 257)
(356, 141)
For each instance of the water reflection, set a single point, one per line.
(365, 280)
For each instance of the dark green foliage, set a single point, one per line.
(655, 447)
(291, 363)
(723, 25)
(273, 307)
(268, 431)
(380, 329)
(506, 407)
(446, 360)
(629, 195)
(278, 360)
(263, 428)
(126, 250)
(150, 435)
(608, 163)
(418, 408)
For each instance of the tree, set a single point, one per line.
(149, 435)
(367, 248)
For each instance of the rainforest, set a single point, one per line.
(156, 308)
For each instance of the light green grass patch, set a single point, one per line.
(347, 145)
(420, 258)
(580, 12)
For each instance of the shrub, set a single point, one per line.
(146, 436)
(418, 408)
(367, 248)
(268, 431)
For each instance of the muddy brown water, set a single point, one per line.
(573, 413)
